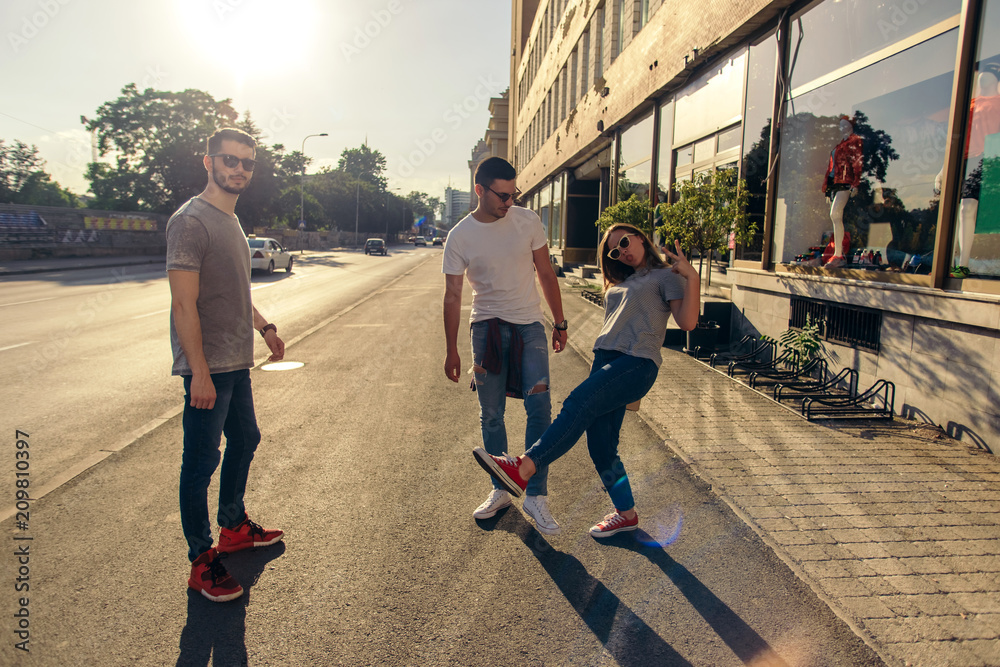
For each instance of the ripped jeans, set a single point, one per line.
(491, 390)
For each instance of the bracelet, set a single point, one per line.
(266, 328)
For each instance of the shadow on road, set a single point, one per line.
(215, 632)
(743, 640)
(625, 636)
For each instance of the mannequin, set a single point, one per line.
(984, 119)
(843, 176)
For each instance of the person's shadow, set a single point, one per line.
(625, 636)
(215, 632)
(742, 639)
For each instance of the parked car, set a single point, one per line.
(438, 240)
(419, 240)
(267, 255)
(375, 247)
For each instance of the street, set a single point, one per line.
(366, 464)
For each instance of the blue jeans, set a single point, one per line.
(233, 415)
(491, 390)
(597, 406)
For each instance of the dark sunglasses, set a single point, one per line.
(231, 161)
(623, 243)
(505, 196)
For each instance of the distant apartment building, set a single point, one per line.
(890, 108)
(456, 206)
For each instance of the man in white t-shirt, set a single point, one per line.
(501, 248)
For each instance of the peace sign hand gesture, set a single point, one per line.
(680, 264)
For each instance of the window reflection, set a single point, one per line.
(835, 33)
(899, 113)
(757, 138)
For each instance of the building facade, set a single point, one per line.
(872, 125)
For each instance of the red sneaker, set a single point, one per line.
(246, 535)
(210, 578)
(503, 469)
(614, 523)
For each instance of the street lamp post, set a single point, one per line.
(302, 181)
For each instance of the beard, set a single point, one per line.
(222, 181)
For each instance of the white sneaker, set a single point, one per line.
(497, 500)
(537, 507)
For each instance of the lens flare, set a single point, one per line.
(662, 529)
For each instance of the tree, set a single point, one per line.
(423, 204)
(365, 164)
(23, 179)
(156, 140)
(710, 208)
(633, 211)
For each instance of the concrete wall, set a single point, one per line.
(941, 350)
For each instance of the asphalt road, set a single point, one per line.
(87, 353)
(366, 464)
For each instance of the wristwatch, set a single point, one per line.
(266, 328)
(562, 326)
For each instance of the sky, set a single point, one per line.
(411, 77)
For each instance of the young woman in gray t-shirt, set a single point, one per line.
(640, 294)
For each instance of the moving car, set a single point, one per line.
(375, 247)
(438, 240)
(267, 254)
(419, 240)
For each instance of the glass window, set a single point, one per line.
(636, 159)
(757, 137)
(599, 44)
(730, 139)
(685, 155)
(835, 33)
(977, 223)
(712, 101)
(704, 149)
(663, 161)
(878, 166)
(544, 199)
(555, 228)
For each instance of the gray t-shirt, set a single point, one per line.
(636, 312)
(207, 241)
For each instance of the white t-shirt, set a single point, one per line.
(497, 259)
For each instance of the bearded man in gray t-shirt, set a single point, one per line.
(212, 322)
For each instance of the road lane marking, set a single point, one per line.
(20, 303)
(94, 458)
(159, 312)
(11, 347)
(350, 326)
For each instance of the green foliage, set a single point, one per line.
(709, 208)
(804, 344)
(23, 179)
(156, 140)
(632, 211)
(365, 164)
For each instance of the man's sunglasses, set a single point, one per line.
(505, 196)
(231, 161)
(623, 243)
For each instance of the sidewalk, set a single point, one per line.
(26, 266)
(895, 526)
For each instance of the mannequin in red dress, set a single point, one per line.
(843, 176)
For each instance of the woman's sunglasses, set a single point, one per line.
(623, 243)
(231, 161)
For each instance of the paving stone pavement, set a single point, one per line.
(894, 525)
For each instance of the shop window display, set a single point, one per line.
(859, 158)
(977, 224)
(757, 138)
(636, 160)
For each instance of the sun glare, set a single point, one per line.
(249, 38)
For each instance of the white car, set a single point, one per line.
(267, 255)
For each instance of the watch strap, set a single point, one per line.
(267, 327)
